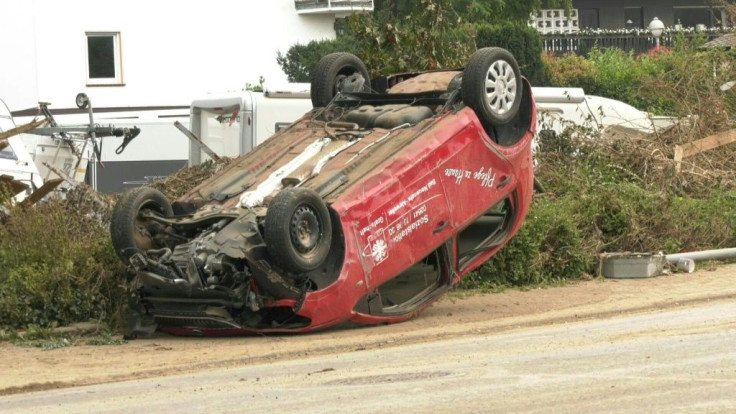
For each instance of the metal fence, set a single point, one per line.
(641, 43)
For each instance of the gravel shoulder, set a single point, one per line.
(456, 315)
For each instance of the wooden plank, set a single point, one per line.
(702, 145)
(37, 195)
(707, 144)
(21, 129)
(15, 186)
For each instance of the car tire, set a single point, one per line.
(492, 86)
(128, 231)
(331, 72)
(298, 230)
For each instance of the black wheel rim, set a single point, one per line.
(305, 229)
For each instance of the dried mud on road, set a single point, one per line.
(458, 314)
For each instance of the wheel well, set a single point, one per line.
(513, 131)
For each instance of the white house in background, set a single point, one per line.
(143, 62)
(150, 53)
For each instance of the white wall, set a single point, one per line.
(172, 51)
(18, 86)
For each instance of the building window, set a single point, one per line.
(700, 16)
(588, 18)
(634, 17)
(103, 59)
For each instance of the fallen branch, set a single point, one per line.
(21, 129)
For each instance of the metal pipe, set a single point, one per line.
(686, 261)
(718, 254)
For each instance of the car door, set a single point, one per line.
(474, 175)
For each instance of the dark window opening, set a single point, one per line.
(588, 18)
(694, 16)
(486, 232)
(634, 17)
(101, 56)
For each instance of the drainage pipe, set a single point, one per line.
(686, 261)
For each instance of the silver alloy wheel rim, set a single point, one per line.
(500, 87)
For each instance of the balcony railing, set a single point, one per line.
(332, 6)
(582, 44)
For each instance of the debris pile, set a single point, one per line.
(176, 185)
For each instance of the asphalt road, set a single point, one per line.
(681, 360)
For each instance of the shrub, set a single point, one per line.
(299, 60)
(570, 70)
(549, 247)
(433, 36)
(57, 267)
(523, 41)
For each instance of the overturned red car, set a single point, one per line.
(367, 209)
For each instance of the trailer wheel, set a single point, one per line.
(298, 230)
(129, 230)
(337, 72)
(81, 100)
(492, 86)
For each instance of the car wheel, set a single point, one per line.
(130, 232)
(298, 230)
(334, 73)
(492, 85)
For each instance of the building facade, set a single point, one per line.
(630, 14)
(151, 53)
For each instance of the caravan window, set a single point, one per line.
(103, 59)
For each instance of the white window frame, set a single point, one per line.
(118, 78)
(555, 21)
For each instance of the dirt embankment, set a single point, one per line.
(457, 314)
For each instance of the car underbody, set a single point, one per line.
(367, 209)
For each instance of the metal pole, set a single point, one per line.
(718, 254)
(197, 141)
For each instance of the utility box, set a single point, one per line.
(632, 265)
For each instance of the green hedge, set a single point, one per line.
(299, 60)
(57, 267)
(524, 42)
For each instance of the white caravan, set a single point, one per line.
(15, 162)
(232, 124)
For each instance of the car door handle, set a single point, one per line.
(504, 181)
(443, 225)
